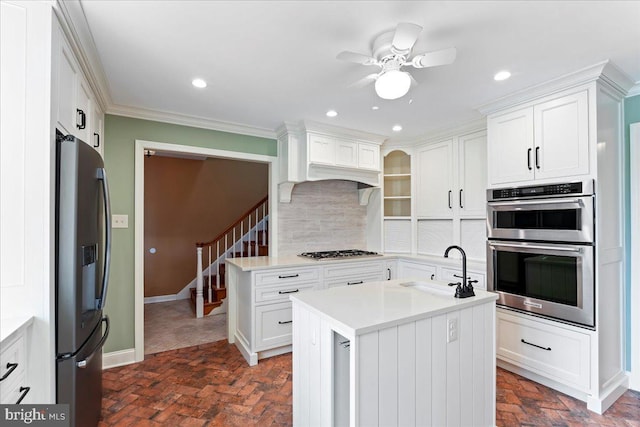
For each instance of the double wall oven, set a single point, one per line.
(541, 249)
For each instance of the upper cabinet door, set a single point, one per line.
(435, 196)
(346, 153)
(368, 156)
(472, 174)
(562, 137)
(67, 77)
(511, 156)
(321, 149)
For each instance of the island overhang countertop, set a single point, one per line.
(360, 309)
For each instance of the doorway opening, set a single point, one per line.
(182, 194)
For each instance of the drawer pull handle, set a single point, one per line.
(280, 322)
(288, 276)
(359, 282)
(433, 276)
(288, 292)
(24, 391)
(535, 345)
(11, 367)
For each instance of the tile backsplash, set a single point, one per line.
(322, 215)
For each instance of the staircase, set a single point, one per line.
(246, 237)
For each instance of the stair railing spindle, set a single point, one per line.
(199, 298)
(249, 234)
(241, 236)
(264, 224)
(209, 292)
(218, 264)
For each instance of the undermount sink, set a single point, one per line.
(430, 288)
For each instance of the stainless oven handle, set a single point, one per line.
(541, 247)
(537, 202)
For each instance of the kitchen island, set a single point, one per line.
(393, 352)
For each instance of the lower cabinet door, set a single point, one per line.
(273, 325)
(554, 352)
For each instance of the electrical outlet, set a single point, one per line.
(452, 329)
(119, 221)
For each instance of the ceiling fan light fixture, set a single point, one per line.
(393, 84)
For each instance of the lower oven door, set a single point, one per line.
(554, 280)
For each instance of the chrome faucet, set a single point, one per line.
(465, 289)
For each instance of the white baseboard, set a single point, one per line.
(118, 358)
(165, 298)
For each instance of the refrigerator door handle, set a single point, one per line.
(102, 176)
(83, 363)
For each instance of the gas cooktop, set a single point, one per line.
(342, 254)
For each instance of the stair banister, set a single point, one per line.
(255, 210)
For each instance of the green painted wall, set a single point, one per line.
(120, 134)
(631, 115)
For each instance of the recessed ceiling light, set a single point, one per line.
(332, 113)
(502, 75)
(375, 107)
(396, 128)
(199, 83)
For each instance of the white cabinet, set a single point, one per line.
(352, 274)
(435, 180)
(545, 141)
(451, 195)
(14, 370)
(77, 112)
(314, 151)
(554, 351)
(339, 152)
(416, 270)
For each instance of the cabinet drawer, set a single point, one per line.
(410, 270)
(10, 390)
(448, 274)
(273, 325)
(281, 292)
(287, 276)
(554, 352)
(352, 270)
(354, 280)
(14, 352)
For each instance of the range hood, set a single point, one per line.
(309, 151)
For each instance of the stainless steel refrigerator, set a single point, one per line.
(83, 240)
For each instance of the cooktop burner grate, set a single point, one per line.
(345, 253)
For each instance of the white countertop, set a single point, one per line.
(360, 309)
(11, 325)
(268, 262)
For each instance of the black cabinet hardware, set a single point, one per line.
(83, 119)
(537, 157)
(24, 391)
(288, 276)
(449, 196)
(388, 274)
(96, 139)
(355, 283)
(288, 292)
(433, 276)
(280, 322)
(460, 197)
(11, 367)
(529, 158)
(535, 345)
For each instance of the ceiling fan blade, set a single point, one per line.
(433, 59)
(405, 37)
(358, 58)
(365, 81)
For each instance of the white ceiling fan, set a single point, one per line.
(391, 52)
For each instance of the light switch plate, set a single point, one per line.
(119, 221)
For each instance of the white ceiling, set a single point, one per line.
(267, 62)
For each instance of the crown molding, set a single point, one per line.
(604, 71)
(635, 90)
(317, 127)
(440, 134)
(193, 121)
(76, 28)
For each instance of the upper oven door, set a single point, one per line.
(555, 219)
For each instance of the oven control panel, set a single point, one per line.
(570, 188)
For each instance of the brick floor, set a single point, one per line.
(211, 385)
